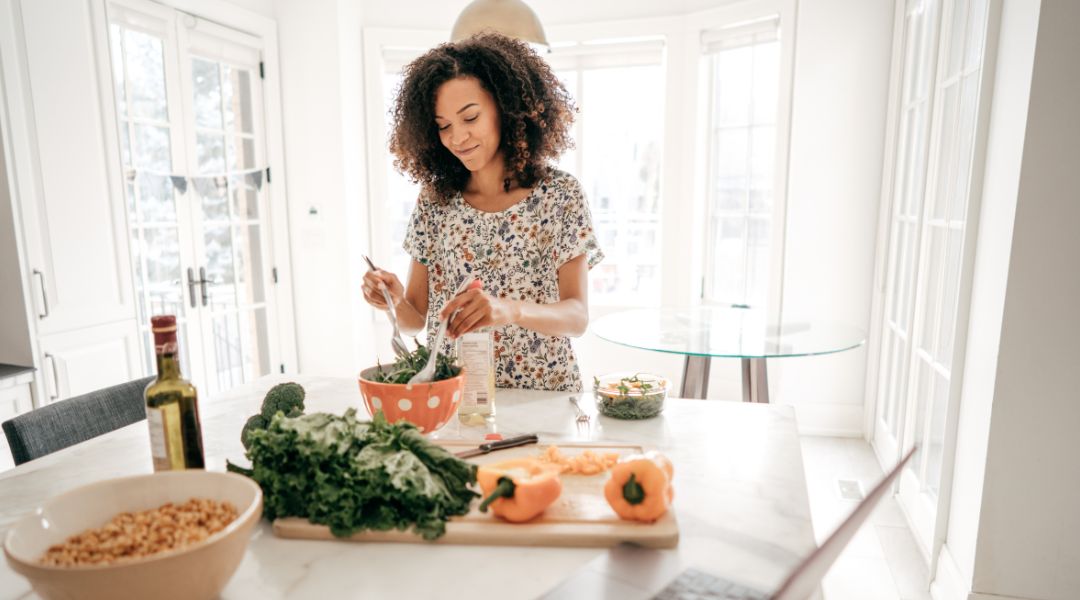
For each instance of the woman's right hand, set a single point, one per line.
(374, 281)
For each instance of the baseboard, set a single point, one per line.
(948, 582)
(833, 420)
(978, 596)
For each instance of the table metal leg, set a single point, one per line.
(695, 377)
(755, 380)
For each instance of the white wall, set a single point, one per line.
(320, 44)
(1029, 529)
(842, 60)
(1004, 152)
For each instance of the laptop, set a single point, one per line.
(695, 584)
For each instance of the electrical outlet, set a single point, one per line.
(850, 489)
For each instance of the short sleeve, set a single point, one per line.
(419, 242)
(575, 235)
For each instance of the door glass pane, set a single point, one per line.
(249, 265)
(245, 198)
(212, 196)
(237, 100)
(240, 153)
(156, 200)
(935, 443)
(256, 352)
(146, 71)
(116, 49)
(930, 298)
(957, 27)
(210, 152)
(207, 85)
(946, 158)
(949, 306)
(228, 368)
(219, 266)
(152, 148)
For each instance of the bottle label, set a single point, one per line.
(476, 351)
(166, 441)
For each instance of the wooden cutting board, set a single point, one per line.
(580, 517)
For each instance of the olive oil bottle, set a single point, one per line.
(172, 406)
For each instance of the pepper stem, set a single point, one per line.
(505, 489)
(632, 491)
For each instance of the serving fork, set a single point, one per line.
(396, 341)
(428, 372)
(582, 418)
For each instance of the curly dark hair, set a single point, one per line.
(535, 112)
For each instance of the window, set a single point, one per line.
(742, 63)
(618, 159)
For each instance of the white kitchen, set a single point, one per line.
(825, 236)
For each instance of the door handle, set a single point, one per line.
(44, 294)
(191, 283)
(55, 378)
(203, 282)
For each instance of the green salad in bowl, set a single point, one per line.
(630, 395)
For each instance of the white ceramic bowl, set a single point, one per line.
(194, 572)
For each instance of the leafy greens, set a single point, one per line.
(406, 366)
(357, 475)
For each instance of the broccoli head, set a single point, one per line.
(285, 397)
(254, 422)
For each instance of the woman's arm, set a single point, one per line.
(569, 316)
(410, 300)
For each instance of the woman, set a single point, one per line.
(478, 123)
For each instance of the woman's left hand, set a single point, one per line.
(478, 309)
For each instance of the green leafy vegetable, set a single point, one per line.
(406, 366)
(357, 475)
(634, 397)
(287, 398)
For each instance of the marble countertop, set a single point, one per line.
(741, 503)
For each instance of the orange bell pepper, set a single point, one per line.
(640, 487)
(520, 489)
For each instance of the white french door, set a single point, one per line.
(190, 108)
(935, 197)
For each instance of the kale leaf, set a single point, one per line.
(354, 475)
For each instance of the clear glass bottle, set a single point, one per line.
(172, 406)
(476, 351)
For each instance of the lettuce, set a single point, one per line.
(354, 475)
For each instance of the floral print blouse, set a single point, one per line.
(516, 253)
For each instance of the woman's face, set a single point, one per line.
(468, 121)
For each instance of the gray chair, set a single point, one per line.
(68, 422)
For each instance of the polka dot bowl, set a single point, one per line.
(429, 406)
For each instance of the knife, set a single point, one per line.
(520, 440)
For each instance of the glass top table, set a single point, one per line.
(701, 334)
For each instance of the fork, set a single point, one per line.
(396, 341)
(582, 416)
(428, 372)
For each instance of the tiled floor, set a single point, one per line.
(882, 562)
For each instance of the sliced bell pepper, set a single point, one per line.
(519, 489)
(640, 487)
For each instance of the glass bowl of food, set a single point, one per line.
(630, 395)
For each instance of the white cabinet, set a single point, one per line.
(88, 359)
(62, 146)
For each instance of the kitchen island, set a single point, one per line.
(740, 500)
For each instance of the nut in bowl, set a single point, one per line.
(100, 563)
(429, 406)
(630, 395)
